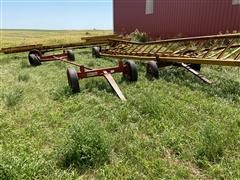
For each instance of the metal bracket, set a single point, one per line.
(196, 73)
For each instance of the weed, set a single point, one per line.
(23, 166)
(224, 87)
(156, 134)
(5, 59)
(24, 64)
(229, 89)
(91, 63)
(60, 93)
(4, 174)
(59, 64)
(211, 148)
(139, 36)
(175, 144)
(23, 76)
(89, 147)
(97, 84)
(13, 97)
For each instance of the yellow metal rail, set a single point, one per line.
(216, 50)
(86, 42)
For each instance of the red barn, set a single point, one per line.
(171, 18)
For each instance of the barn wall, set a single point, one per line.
(177, 17)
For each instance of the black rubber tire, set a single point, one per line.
(36, 51)
(34, 57)
(96, 52)
(196, 67)
(70, 55)
(131, 73)
(152, 70)
(34, 60)
(73, 80)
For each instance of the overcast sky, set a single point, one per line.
(56, 14)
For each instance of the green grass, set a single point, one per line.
(174, 128)
(88, 147)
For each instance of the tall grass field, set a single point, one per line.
(175, 127)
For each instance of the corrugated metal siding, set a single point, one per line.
(177, 17)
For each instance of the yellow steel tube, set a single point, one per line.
(228, 62)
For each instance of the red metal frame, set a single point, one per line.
(56, 57)
(87, 72)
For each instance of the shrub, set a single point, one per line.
(138, 36)
(88, 147)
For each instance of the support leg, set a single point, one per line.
(114, 85)
(196, 73)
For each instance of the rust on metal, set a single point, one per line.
(106, 72)
(17, 49)
(221, 50)
(86, 72)
(87, 42)
(196, 73)
(99, 38)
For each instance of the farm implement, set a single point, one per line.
(37, 53)
(188, 53)
(36, 57)
(127, 68)
(87, 42)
